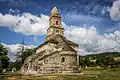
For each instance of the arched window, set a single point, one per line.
(45, 61)
(63, 59)
(56, 22)
(35, 68)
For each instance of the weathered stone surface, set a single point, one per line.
(56, 54)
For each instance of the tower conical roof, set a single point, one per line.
(55, 12)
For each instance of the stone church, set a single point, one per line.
(56, 54)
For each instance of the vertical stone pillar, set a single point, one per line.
(77, 60)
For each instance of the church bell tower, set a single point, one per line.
(55, 26)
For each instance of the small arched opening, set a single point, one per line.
(57, 31)
(56, 22)
(63, 59)
(25, 67)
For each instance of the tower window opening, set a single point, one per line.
(56, 22)
(63, 59)
(57, 31)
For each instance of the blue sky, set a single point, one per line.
(90, 10)
(100, 16)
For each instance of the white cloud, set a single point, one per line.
(25, 23)
(91, 42)
(13, 49)
(115, 11)
(14, 11)
(87, 37)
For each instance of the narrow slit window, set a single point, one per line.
(56, 22)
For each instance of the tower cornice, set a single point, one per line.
(55, 27)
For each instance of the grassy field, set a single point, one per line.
(89, 74)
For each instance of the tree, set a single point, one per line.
(27, 53)
(3, 57)
(109, 62)
(100, 62)
(22, 54)
(87, 61)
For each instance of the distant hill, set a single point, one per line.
(107, 59)
(103, 55)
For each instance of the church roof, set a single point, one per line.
(66, 40)
(49, 41)
(55, 41)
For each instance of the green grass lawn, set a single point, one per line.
(89, 74)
